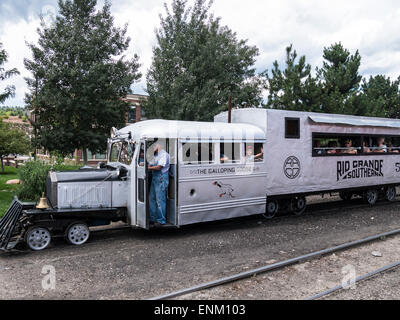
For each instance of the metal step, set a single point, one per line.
(9, 222)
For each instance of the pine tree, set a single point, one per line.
(9, 90)
(293, 88)
(379, 97)
(339, 79)
(197, 64)
(79, 75)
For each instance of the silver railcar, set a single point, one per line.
(264, 161)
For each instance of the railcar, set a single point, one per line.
(262, 162)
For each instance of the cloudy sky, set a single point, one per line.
(372, 27)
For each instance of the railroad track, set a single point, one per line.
(285, 263)
(361, 278)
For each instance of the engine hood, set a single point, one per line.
(84, 175)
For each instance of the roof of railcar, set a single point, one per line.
(193, 130)
(322, 118)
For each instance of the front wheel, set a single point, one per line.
(38, 238)
(298, 205)
(77, 233)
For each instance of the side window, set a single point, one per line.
(292, 128)
(229, 152)
(140, 160)
(115, 148)
(341, 144)
(394, 146)
(197, 153)
(253, 152)
(126, 153)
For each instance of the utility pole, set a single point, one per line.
(230, 109)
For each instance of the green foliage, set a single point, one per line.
(33, 176)
(197, 64)
(12, 111)
(9, 91)
(379, 97)
(339, 78)
(79, 75)
(12, 141)
(336, 88)
(7, 190)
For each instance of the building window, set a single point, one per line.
(132, 114)
(292, 128)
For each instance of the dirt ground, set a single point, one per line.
(304, 280)
(139, 264)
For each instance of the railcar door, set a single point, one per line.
(142, 215)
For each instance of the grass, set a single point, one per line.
(7, 190)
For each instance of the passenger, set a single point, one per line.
(259, 156)
(392, 149)
(365, 148)
(141, 157)
(249, 157)
(332, 145)
(381, 146)
(317, 148)
(348, 144)
(159, 184)
(223, 158)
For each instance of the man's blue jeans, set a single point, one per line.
(158, 197)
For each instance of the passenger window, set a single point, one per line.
(115, 148)
(341, 145)
(126, 153)
(229, 152)
(253, 152)
(198, 153)
(292, 128)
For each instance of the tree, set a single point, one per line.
(197, 64)
(294, 88)
(378, 97)
(79, 76)
(339, 79)
(12, 141)
(9, 91)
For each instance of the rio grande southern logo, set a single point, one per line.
(291, 167)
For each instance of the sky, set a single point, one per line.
(370, 26)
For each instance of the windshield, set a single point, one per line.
(122, 152)
(115, 149)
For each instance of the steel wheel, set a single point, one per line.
(78, 233)
(390, 193)
(371, 196)
(38, 238)
(298, 205)
(271, 210)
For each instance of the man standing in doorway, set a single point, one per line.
(159, 185)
